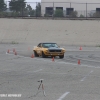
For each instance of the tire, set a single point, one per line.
(35, 54)
(61, 57)
(43, 55)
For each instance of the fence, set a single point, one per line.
(57, 9)
(72, 9)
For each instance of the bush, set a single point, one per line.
(58, 13)
(73, 14)
(82, 16)
(14, 14)
(46, 15)
(3, 14)
(97, 14)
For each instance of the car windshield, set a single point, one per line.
(48, 45)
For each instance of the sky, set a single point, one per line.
(65, 0)
(29, 0)
(33, 0)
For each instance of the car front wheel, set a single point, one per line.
(43, 55)
(61, 57)
(35, 54)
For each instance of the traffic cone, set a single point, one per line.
(32, 56)
(8, 51)
(15, 53)
(53, 59)
(79, 62)
(14, 50)
(80, 48)
(28, 48)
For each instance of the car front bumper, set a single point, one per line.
(53, 53)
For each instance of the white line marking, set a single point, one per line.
(86, 76)
(78, 65)
(10, 54)
(30, 72)
(63, 96)
(81, 50)
(68, 74)
(57, 61)
(87, 59)
(82, 59)
(37, 70)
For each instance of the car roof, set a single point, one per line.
(48, 43)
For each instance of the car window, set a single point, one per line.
(45, 45)
(39, 45)
(48, 45)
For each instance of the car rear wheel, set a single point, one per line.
(61, 57)
(43, 55)
(35, 54)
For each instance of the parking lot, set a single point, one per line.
(63, 79)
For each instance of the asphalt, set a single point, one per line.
(63, 79)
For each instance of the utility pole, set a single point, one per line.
(53, 10)
(86, 10)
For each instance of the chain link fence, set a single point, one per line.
(55, 9)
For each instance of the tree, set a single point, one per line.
(17, 5)
(30, 11)
(2, 5)
(38, 10)
(58, 13)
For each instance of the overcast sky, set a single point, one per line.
(66, 0)
(33, 0)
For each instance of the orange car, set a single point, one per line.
(48, 49)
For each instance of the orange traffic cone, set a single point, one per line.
(53, 59)
(28, 48)
(8, 51)
(79, 62)
(80, 48)
(13, 50)
(15, 53)
(32, 56)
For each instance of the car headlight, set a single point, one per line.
(63, 50)
(47, 50)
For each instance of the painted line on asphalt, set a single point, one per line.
(37, 70)
(86, 76)
(74, 64)
(63, 96)
(81, 50)
(34, 71)
(67, 74)
(86, 59)
(79, 65)
(9, 53)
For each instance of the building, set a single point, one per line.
(83, 7)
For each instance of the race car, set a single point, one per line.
(48, 49)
